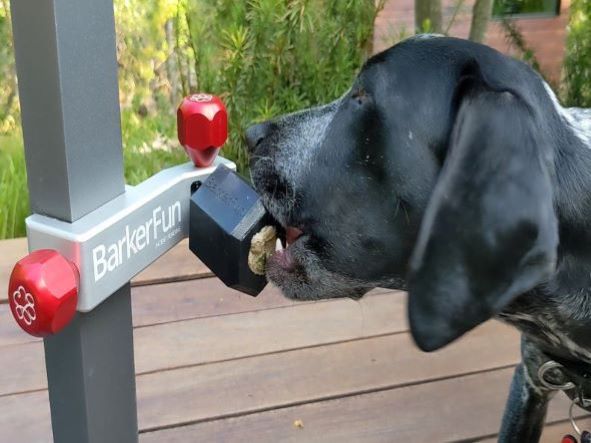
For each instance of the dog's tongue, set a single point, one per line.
(292, 234)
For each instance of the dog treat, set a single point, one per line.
(299, 424)
(262, 246)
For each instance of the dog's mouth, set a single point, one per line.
(297, 266)
(283, 256)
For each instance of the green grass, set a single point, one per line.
(577, 64)
(144, 154)
(150, 146)
(14, 198)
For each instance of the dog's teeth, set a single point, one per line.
(278, 245)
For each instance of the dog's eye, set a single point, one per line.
(360, 96)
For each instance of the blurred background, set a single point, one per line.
(267, 57)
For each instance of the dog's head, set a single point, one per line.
(430, 173)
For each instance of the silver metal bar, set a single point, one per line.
(121, 238)
(91, 375)
(67, 77)
(67, 72)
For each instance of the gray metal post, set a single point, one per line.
(67, 73)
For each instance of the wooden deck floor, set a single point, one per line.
(217, 366)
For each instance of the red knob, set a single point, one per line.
(43, 292)
(202, 124)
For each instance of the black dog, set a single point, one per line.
(452, 171)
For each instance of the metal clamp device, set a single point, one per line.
(75, 266)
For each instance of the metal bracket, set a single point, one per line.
(118, 240)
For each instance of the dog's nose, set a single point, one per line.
(255, 134)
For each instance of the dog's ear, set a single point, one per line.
(489, 232)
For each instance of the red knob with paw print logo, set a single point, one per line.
(202, 125)
(43, 292)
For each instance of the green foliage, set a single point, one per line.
(264, 57)
(14, 201)
(8, 91)
(515, 38)
(577, 65)
(147, 150)
(426, 27)
(513, 7)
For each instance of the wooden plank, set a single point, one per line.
(172, 302)
(314, 374)
(253, 384)
(176, 301)
(462, 408)
(10, 252)
(25, 418)
(156, 304)
(25, 368)
(10, 333)
(469, 406)
(254, 333)
(210, 339)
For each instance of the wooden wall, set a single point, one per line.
(546, 36)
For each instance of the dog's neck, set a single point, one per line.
(573, 196)
(556, 315)
(579, 119)
(562, 304)
(572, 161)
